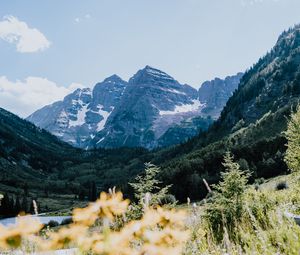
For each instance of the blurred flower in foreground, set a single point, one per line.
(159, 231)
(11, 237)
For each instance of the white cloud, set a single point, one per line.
(25, 97)
(80, 19)
(26, 39)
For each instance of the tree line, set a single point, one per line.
(14, 205)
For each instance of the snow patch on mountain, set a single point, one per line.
(105, 116)
(100, 140)
(80, 118)
(173, 91)
(157, 73)
(183, 108)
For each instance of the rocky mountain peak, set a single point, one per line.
(151, 75)
(114, 79)
(83, 95)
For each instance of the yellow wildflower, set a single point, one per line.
(11, 237)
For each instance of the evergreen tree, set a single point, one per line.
(93, 194)
(90, 192)
(6, 206)
(24, 205)
(26, 192)
(226, 210)
(12, 211)
(31, 208)
(148, 185)
(292, 156)
(17, 207)
(81, 195)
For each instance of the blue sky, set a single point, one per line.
(72, 43)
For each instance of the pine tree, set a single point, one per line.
(5, 207)
(81, 195)
(93, 194)
(31, 209)
(17, 207)
(148, 184)
(12, 211)
(227, 208)
(292, 156)
(26, 192)
(24, 205)
(234, 180)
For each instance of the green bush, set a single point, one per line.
(227, 208)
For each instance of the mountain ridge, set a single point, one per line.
(141, 112)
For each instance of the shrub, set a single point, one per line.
(227, 207)
(52, 224)
(260, 181)
(67, 221)
(281, 185)
(292, 156)
(148, 192)
(168, 199)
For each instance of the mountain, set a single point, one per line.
(251, 125)
(82, 113)
(214, 94)
(151, 110)
(152, 102)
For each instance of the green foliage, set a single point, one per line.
(227, 208)
(93, 193)
(149, 184)
(263, 228)
(147, 191)
(292, 156)
(281, 185)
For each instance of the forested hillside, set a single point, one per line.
(250, 125)
(37, 165)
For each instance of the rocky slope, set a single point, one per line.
(151, 110)
(81, 114)
(214, 94)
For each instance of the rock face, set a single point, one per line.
(215, 93)
(152, 102)
(151, 110)
(82, 113)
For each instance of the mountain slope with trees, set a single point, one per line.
(35, 164)
(250, 125)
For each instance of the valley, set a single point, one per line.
(250, 125)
